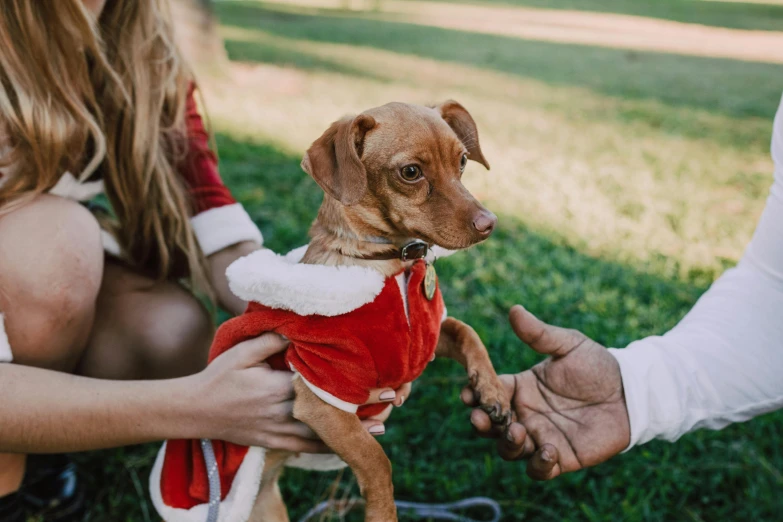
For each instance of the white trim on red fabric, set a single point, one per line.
(281, 282)
(70, 187)
(5, 346)
(327, 397)
(221, 227)
(110, 244)
(237, 505)
(402, 282)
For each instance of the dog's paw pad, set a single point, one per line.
(489, 393)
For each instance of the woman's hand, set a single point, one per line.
(242, 400)
(570, 408)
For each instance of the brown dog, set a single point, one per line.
(393, 173)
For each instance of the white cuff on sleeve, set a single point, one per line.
(224, 226)
(5, 346)
(652, 392)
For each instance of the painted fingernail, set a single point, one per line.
(546, 456)
(378, 429)
(388, 395)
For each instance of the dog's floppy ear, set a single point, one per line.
(461, 122)
(334, 159)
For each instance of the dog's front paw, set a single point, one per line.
(491, 397)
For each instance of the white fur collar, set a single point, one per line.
(281, 282)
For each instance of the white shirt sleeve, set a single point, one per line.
(724, 362)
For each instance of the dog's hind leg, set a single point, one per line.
(345, 435)
(460, 342)
(269, 506)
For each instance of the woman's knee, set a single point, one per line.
(179, 334)
(51, 262)
(146, 329)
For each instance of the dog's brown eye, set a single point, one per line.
(463, 161)
(410, 173)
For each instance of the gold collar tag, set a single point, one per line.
(430, 282)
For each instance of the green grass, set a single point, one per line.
(624, 182)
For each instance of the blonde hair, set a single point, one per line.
(79, 95)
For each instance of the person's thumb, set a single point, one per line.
(257, 350)
(543, 338)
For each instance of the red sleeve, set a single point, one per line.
(199, 167)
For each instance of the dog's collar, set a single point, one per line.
(416, 249)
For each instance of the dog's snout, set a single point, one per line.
(485, 222)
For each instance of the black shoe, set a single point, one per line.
(11, 509)
(51, 489)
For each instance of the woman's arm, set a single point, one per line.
(46, 411)
(234, 399)
(218, 263)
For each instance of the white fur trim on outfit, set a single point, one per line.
(279, 282)
(5, 346)
(70, 187)
(237, 505)
(221, 227)
(110, 244)
(328, 398)
(402, 283)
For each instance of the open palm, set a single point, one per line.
(570, 408)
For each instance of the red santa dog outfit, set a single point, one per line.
(351, 330)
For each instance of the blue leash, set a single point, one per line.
(445, 511)
(214, 480)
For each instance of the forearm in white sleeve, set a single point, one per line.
(723, 363)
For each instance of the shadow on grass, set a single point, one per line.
(278, 54)
(715, 85)
(435, 455)
(718, 13)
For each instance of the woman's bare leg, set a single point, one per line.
(145, 329)
(51, 263)
(51, 277)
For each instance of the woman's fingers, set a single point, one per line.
(259, 349)
(382, 416)
(294, 428)
(388, 395)
(294, 444)
(379, 395)
(298, 429)
(274, 386)
(374, 427)
(402, 393)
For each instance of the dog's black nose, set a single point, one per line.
(485, 222)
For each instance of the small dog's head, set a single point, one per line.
(397, 169)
